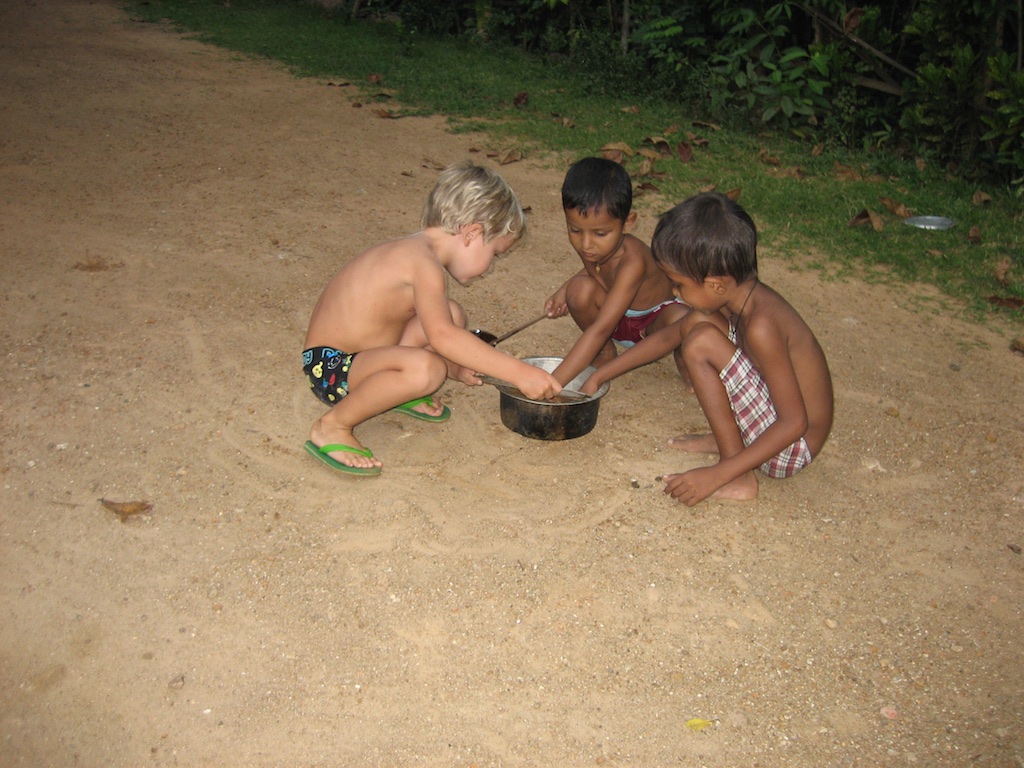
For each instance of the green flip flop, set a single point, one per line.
(407, 408)
(320, 452)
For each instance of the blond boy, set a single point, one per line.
(384, 335)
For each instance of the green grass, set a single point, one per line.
(799, 200)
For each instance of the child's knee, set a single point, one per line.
(437, 372)
(426, 372)
(458, 313)
(701, 340)
(581, 292)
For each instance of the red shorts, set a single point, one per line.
(633, 326)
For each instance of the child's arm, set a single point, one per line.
(620, 296)
(463, 348)
(652, 348)
(770, 349)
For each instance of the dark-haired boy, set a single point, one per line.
(620, 295)
(759, 373)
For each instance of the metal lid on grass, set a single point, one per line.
(929, 222)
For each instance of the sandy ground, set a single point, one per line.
(170, 213)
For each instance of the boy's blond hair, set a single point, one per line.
(469, 194)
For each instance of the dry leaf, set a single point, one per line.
(521, 99)
(615, 155)
(787, 173)
(125, 509)
(734, 194)
(818, 149)
(708, 188)
(97, 264)
(646, 167)
(1002, 271)
(852, 19)
(386, 114)
(867, 217)
(698, 723)
(1017, 345)
(981, 198)
(660, 143)
(374, 78)
(649, 153)
(895, 207)
(1007, 302)
(845, 172)
(696, 140)
(921, 163)
(767, 159)
(509, 156)
(620, 146)
(633, 110)
(703, 124)
(646, 186)
(974, 235)
(684, 151)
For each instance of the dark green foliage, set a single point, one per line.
(573, 107)
(1005, 121)
(933, 78)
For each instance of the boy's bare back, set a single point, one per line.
(785, 350)
(370, 300)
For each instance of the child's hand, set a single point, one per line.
(557, 305)
(538, 384)
(466, 376)
(590, 386)
(693, 486)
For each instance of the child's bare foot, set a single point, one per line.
(694, 443)
(743, 488)
(428, 407)
(321, 436)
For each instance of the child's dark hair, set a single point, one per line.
(707, 235)
(594, 183)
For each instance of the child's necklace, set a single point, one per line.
(605, 260)
(739, 315)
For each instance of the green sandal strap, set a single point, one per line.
(325, 449)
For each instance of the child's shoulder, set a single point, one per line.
(408, 249)
(636, 247)
(773, 310)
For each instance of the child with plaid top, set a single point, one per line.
(758, 371)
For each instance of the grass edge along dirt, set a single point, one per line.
(803, 199)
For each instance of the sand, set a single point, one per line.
(170, 212)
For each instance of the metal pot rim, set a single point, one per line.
(549, 364)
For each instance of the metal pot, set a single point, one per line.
(550, 420)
